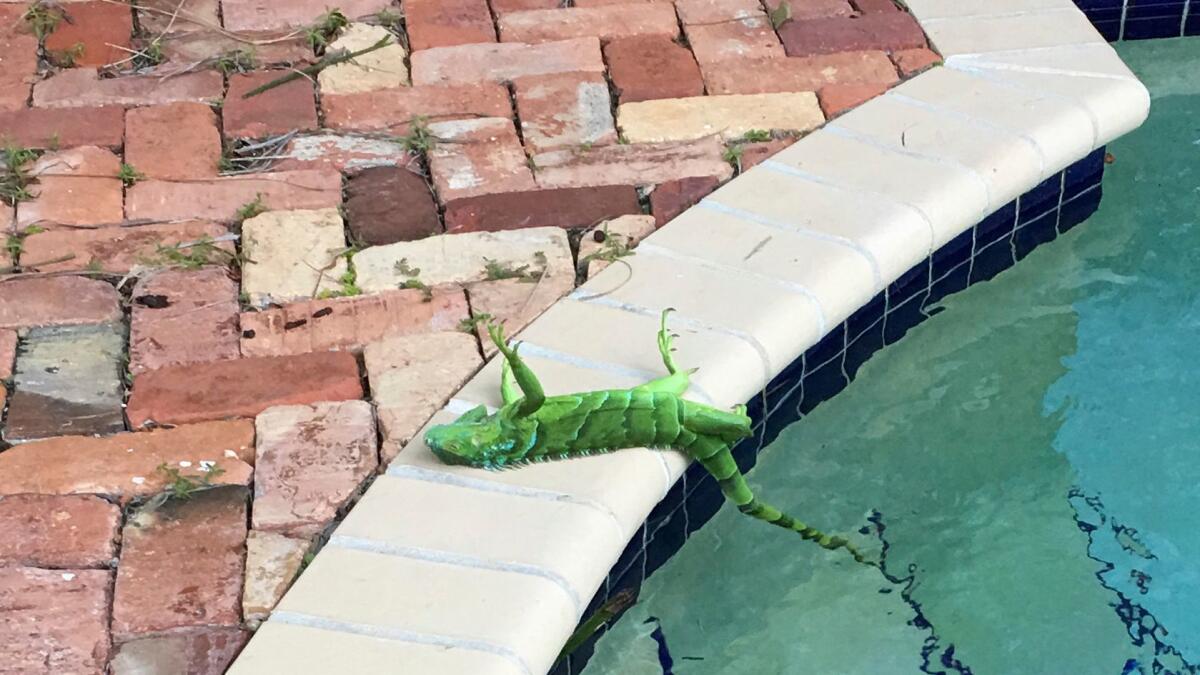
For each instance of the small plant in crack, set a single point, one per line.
(612, 248)
(14, 244)
(14, 173)
(129, 175)
(733, 155)
(348, 280)
(402, 268)
(471, 324)
(150, 55)
(42, 18)
(781, 14)
(252, 208)
(235, 61)
(191, 255)
(419, 138)
(496, 271)
(66, 58)
(183, 487)
(756, 136)
(326, 28)
(393, 21)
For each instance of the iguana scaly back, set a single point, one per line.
(532, 427)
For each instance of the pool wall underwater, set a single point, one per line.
(785, 280)
(978, 254)
(1143, 19)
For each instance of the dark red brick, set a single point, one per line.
(563, 207)
(63, 127)
(275, 111)
(387, 204)
(652, 67)
(241, 387)
(674, 197)
(887, 31)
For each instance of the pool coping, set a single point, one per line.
(428, 573)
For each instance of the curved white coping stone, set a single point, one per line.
(452, 570)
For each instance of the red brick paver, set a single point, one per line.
(241, 387)
(445, 23)
(126, 465)
(117, 250)
(92, 33)
(55, 621)
(912, 61)
(69, 531)
(310, 460)
(278, 110)
(63, 127)
(674, 197)
(222, 198)
(652, 67)
(564, 110)
(180, 317)
(394, 109)
(558, 207)
(763, 76)
(387, 204)
(56, 301)
(888, 31)
(468, 64)
(83, 87)
(189, 550)
(349, 323)
(607, 23)
(176, 141)
(75, 187)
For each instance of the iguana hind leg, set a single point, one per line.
(526, 380)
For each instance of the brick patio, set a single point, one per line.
(219, 310)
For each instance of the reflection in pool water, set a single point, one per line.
(1031, 457)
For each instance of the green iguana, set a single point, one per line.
(537, 428)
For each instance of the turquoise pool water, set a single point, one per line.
(1032, 453)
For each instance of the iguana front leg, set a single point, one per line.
(526, 380)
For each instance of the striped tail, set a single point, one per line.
(715, 456)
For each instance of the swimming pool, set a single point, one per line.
(1027, 459)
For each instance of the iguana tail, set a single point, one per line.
(715, 456)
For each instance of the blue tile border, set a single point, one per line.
(978, 254)
(1142, 19)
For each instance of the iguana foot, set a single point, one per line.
(664, 343)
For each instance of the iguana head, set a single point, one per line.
(481, 440)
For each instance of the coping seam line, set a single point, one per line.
(983, 74)
(788, 170)
(370, 545)
(712, 205)
(964, 62)
(399, 635)
(633, 308)
(948, 162)
(977, 121)
(998, 15)
(647, 248)
(415, 472)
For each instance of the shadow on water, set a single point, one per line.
(1028, 458)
